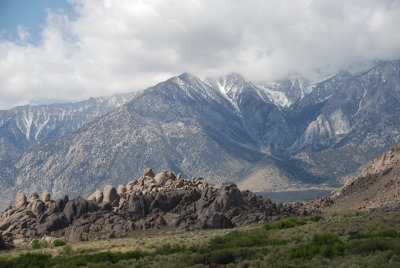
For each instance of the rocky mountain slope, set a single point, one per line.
(377, 188)
(343, 130)
(224, 129)
(25, 126)
(151, 201)
(181, 124)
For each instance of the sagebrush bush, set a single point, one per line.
(315, 218)
(372, 244)
(59, 243)
(291, 222)
(325, 244)
(254, 238)
(35, 244)
(384, 233)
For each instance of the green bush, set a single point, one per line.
(59, 243)
(35, 244)
(27, 260)
(387, 233)
(253, 238)
(168, 249)
(384, 233)
(315, 218)
(290, 222)
(373, 244)
(326, 244)
(223, 256)
(67, 250)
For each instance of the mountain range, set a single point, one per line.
(277, 136)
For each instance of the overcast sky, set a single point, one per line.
(83, 48)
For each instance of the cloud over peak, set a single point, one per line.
(118, 46)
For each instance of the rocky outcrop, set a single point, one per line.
(97, 196)
(46, 196)
(151, 201)
(109, 194)
(20, 199)
(3, 244)
(376, 188)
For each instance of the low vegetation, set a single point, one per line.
(336, 240)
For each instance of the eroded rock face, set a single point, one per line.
(3, 244)
(36, 206)
(33, 197)
(149, 202)
(109, 194)
(97, 196)
(148, 172)
(20, 199)
(46, 196)
(121, 190)
(161, 178)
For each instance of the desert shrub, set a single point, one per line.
(35, 244)
(387, 233)
(223, 256)
(192, 259)
(384, 233)
(168, 249)
(59, 243)
(290, 223)
(29, 260)
(373, 244)
(315, 218)
(237, 239)
(285, 223)
(67, 250)
(325, 244)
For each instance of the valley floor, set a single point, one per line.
(354, 239)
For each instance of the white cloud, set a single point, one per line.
(119, 46)
(23, 33)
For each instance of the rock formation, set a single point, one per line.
(2, 243)
(377, 188)
(151, 201)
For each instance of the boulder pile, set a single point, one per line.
(152, 201)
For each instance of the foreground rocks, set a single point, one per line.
(152, 201)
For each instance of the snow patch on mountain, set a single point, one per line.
(277, 97)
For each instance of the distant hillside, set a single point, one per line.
(25, 126)
(376, 188)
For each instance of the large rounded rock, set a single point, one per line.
(20, 199)
(69, 211)
(75, 209)
(227, 196)
(97, 196)
(148, 172)
(109, 194)
(45, 196)
(53, 223)
(37, 207)
(81, 206)
(33, 197)
(121, 190)
(161, 178)
(216, 220)
(65, 198)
